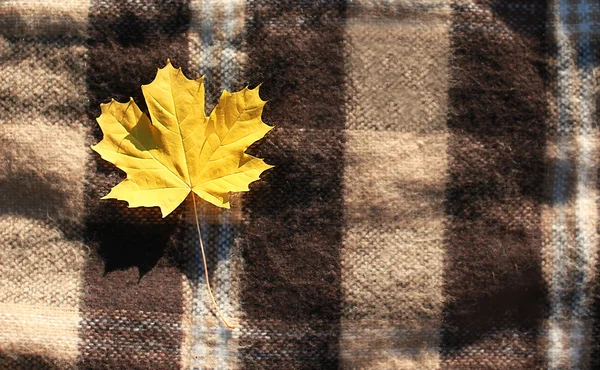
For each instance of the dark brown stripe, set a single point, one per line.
(595, 347)
(292, 233)
(495, 293)
(130, 320)
(594, 351)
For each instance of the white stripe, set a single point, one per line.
(206, 40)
(200, 351)
(557, 287)
(569, 322)
(228, 67)
(223, 288)
(219, 239)
(585, 207)
(226, 232)
(199, 309)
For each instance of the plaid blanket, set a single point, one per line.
(435, 200)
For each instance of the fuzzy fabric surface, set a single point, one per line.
(434, 202)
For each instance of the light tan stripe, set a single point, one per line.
(392, 258)
(21, 18)
(42, 113)
(38, 265)
(43, 82)
(42, 163)
(394, 187)
(42, 171)
(45, 331)
(397, 73)
(40, 286)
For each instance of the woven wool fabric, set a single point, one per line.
(434, 202)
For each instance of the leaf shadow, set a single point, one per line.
(140, 238)
(130, 237)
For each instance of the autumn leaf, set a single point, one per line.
(179, 149)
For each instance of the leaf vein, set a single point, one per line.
(148, 150)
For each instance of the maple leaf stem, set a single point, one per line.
(206, 268)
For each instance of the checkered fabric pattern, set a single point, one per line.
(434, 202)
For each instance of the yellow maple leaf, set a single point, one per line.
(181, 150)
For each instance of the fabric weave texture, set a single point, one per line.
(434, 202)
